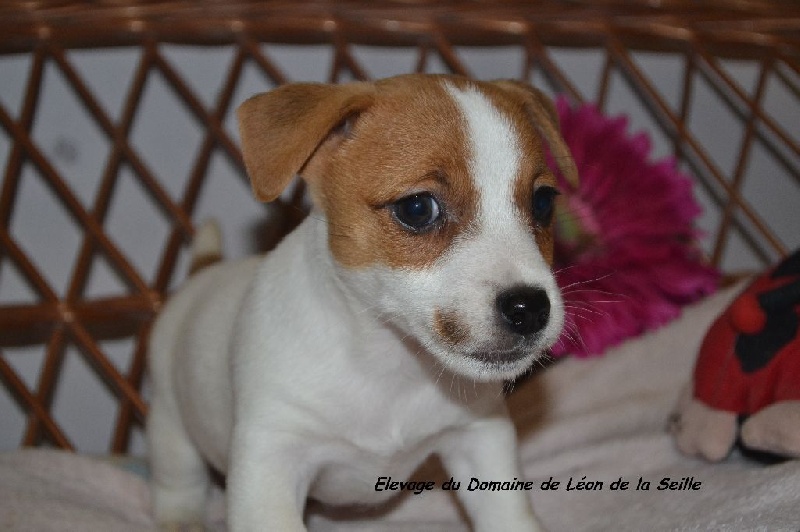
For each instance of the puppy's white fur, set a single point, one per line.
(300, 377)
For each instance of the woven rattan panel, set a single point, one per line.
(58, 322)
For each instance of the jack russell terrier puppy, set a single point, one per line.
(380, 330)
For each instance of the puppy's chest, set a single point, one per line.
(385, 412)
(393, 444)
(351, 475)
(386, 435)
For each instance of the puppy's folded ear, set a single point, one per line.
(544, 116)
(281, 129)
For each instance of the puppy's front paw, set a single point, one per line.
(700, 430)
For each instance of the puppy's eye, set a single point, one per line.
(417, 212)
(543, 205)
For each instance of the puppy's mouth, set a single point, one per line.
(490, 363)
(501, 357)
(503, 364)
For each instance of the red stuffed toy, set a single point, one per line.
(749, 368)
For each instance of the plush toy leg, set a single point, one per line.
(775, 429)
(701, 430)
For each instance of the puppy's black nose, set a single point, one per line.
(524, 310)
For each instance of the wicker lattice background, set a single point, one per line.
(107, 332)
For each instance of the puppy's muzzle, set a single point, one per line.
(524, 310)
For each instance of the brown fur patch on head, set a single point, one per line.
(411, 139)
(282, 128)
(450, 328)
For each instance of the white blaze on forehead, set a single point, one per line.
(508, 251)
(495, 151)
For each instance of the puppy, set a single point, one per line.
(379, 331)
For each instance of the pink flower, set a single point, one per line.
(626, 254)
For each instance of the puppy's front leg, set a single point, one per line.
(487, 450)
(267, 482)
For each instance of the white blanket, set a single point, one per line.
(603, 419)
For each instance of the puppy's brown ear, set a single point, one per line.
(544, 116)
(281, 129)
